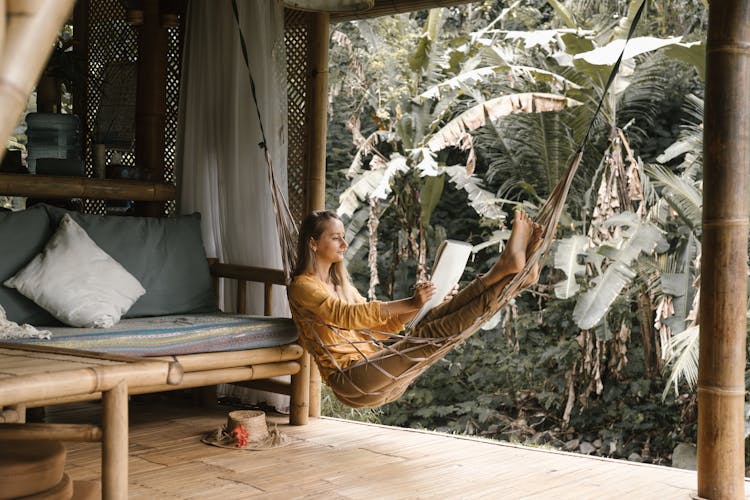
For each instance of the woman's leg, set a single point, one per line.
(524, 239)
(376, 380)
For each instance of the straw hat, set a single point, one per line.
(246, 430)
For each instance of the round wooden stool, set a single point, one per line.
(61, 491)
(30, 467)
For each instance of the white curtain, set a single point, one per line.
(222, 171)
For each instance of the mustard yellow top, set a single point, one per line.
(328, 324)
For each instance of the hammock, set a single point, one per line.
(400, 345)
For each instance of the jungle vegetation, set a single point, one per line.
(423, 145)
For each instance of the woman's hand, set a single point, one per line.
(450, 294)
(423, 292)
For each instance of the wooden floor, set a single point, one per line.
(332, 458)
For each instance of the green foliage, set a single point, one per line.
(570, 359)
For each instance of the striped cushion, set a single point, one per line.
(179, 334)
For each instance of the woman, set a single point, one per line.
(348, 336)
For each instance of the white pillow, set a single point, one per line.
(76, 281)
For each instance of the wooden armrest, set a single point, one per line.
(247, 273)
(243, 274)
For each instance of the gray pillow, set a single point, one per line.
(165, 254)
(23, 234)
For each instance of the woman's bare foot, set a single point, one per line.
(513, 257)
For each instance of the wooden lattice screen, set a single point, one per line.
(112, 44)
(297, 28)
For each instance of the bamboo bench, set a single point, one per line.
(250, 367)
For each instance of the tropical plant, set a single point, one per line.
(425, 158)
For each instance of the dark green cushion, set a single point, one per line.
(165, 254)
(23, 234)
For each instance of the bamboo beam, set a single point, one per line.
(51, 432)
(48, 186)
(392, 7)
(268, 385)
(248, 273)
(721, 384)
(194, 379)
(83, 381)
(229, 359)
(31, 27)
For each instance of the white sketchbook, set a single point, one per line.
(450, 262)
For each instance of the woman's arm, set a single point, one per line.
(406, 309)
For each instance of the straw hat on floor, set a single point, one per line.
(246, 430)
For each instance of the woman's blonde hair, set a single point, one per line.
(312, 228)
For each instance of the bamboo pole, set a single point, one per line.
(248, 273)
(48, 186)
(115, 443)
(2, 26)
(242, 296)
(13, 414)
(151, 99)
(230, 359)
(51, 432)
(301, 397)
(225, 376)
(316, 170)
(268, 385)
(318, 113)
(43, 386)
(721, 385)
(30, 30)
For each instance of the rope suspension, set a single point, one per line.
(287, 228)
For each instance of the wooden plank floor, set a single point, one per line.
(333, 459)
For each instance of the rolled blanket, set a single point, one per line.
(12, 330)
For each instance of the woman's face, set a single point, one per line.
(330, 247)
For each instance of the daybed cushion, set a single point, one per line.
(178, 334)
(165, 255)
(22, 235)
(77, 281)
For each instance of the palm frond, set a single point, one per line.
(681, 195)
(683, 359)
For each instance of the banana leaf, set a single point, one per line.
(637, 237)
(566, 259)
(375, 183)
(476, 116)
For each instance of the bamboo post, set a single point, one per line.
(151, 98)
(31, 27)
(301, 399)
(316, 170)
(721, 384)
(115, 443)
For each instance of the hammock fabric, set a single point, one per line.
(401, 344)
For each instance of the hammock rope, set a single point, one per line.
(287, 228)
(400, 345)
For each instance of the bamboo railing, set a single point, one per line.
(721, 382)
